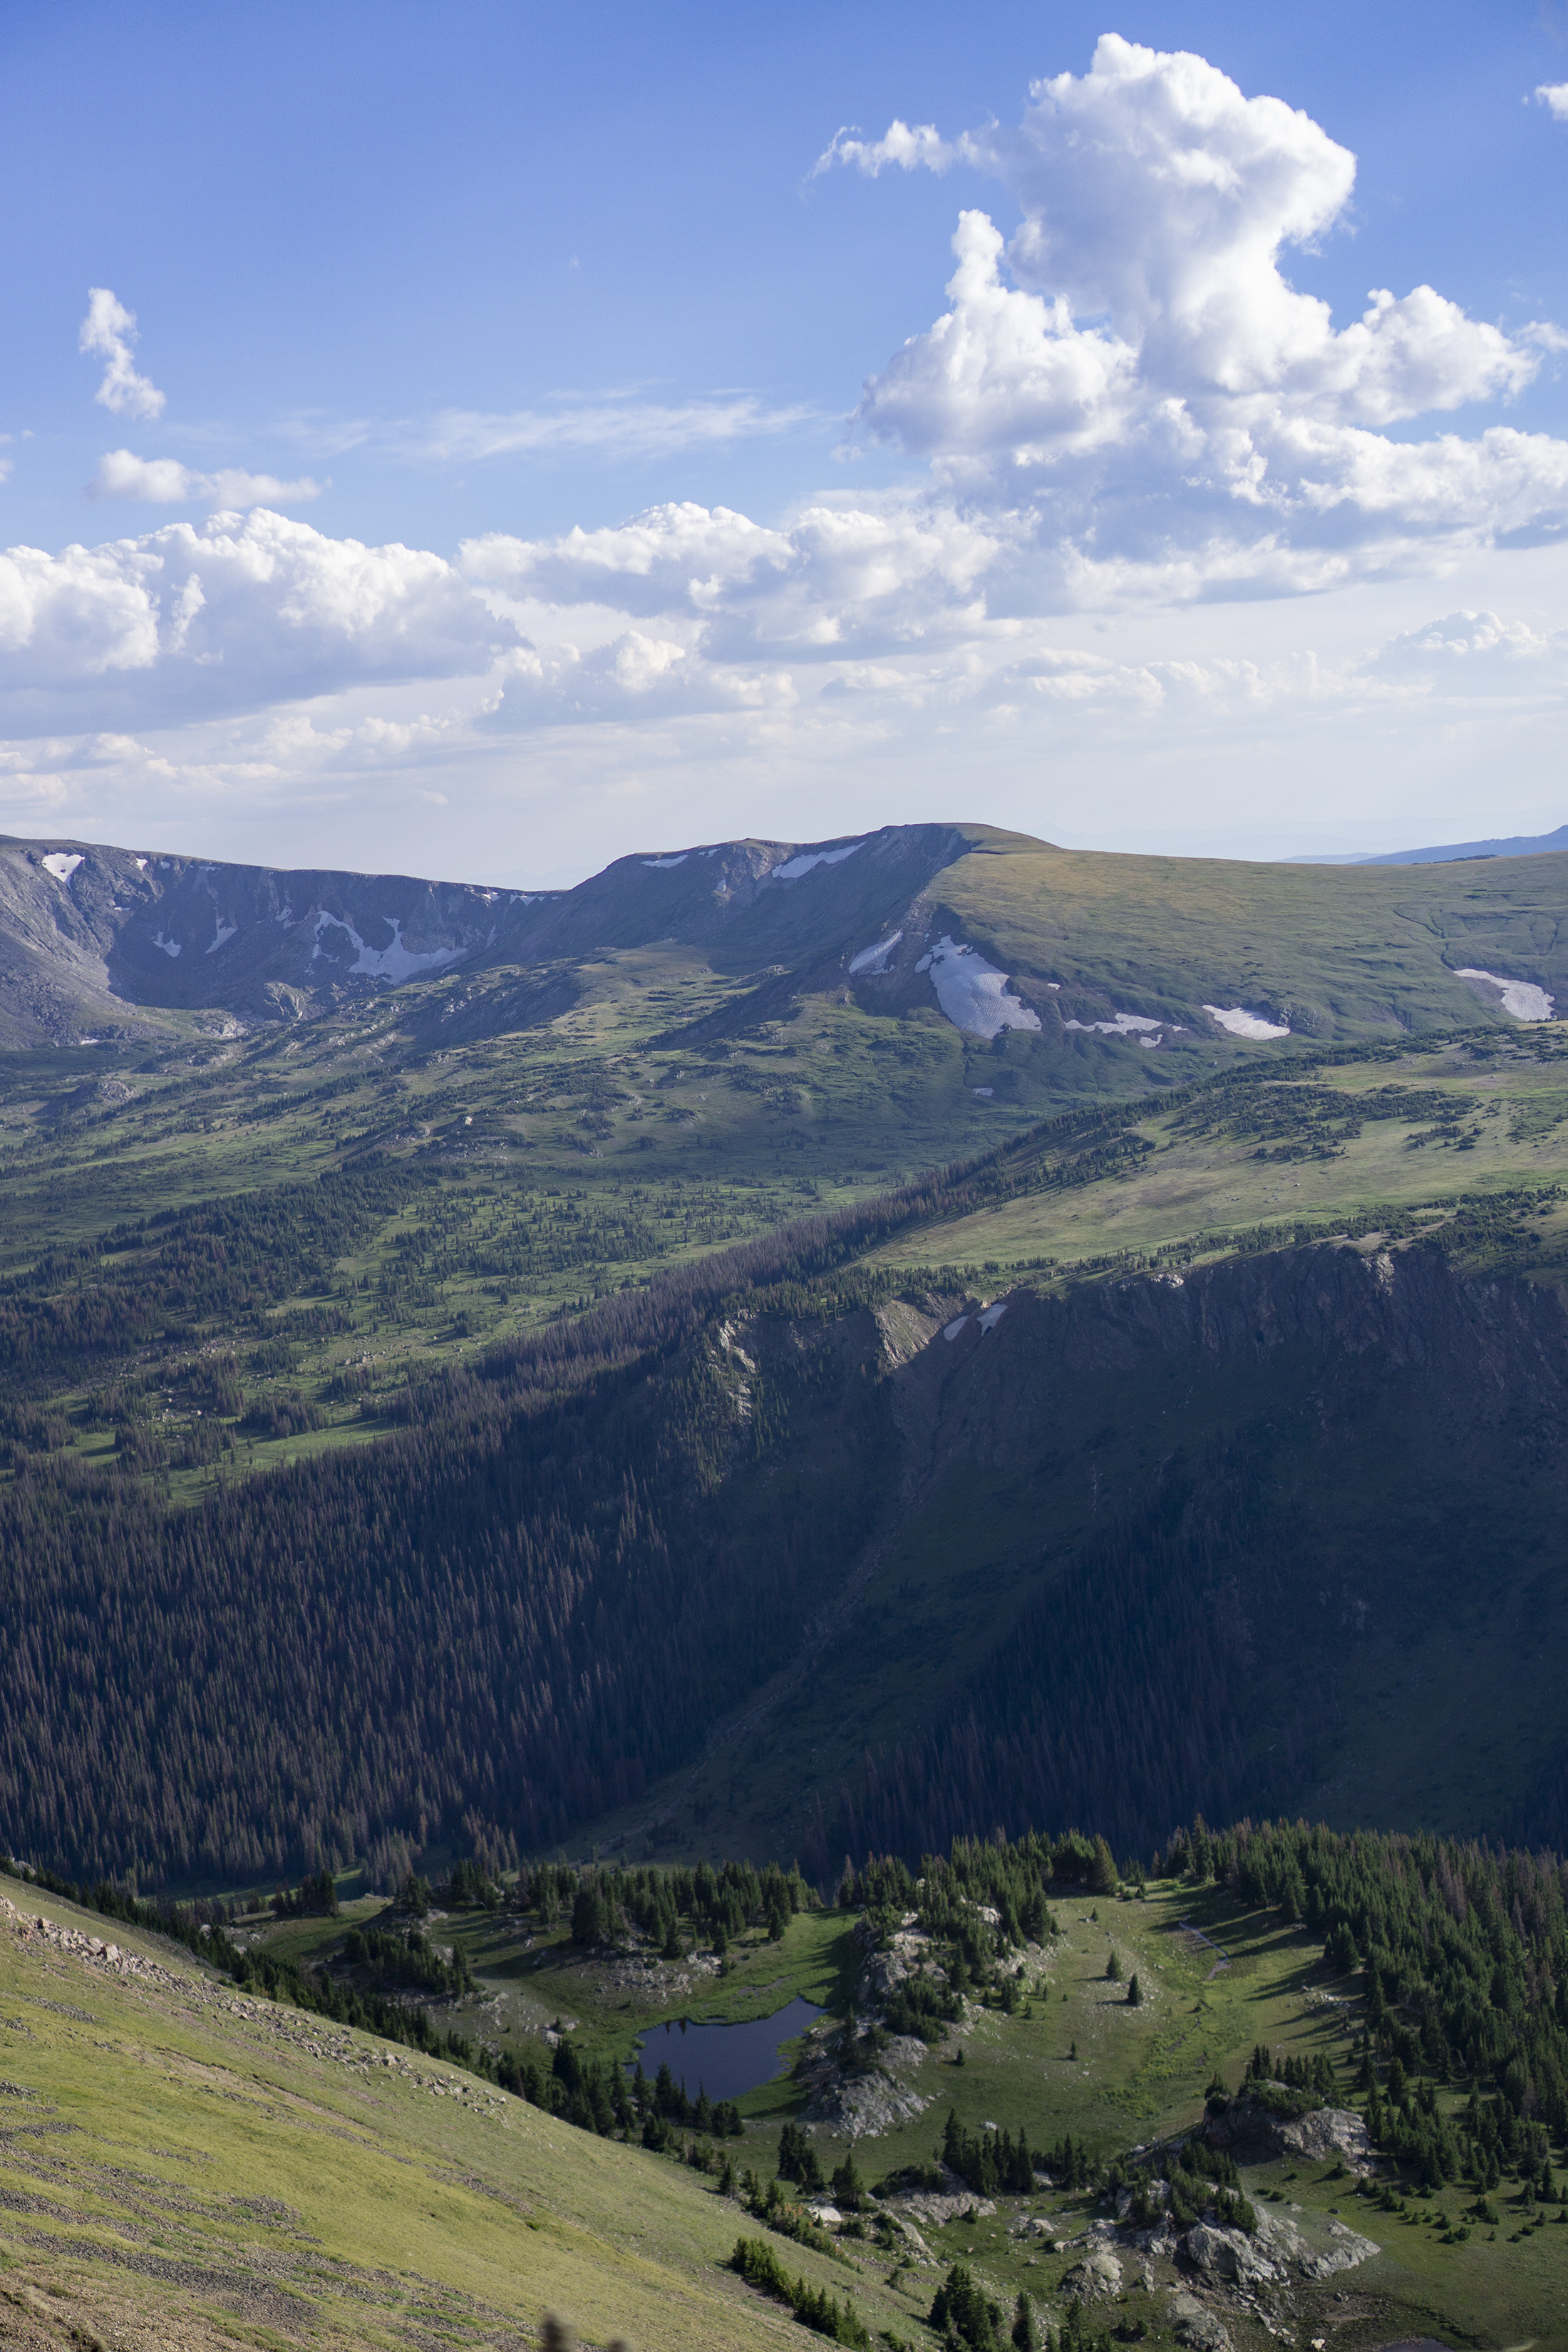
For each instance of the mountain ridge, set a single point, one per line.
(995, 930)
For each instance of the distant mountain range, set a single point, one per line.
(1153, 957)
(1513, 844)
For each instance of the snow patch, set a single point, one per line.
(169, 947)
(1120, 1025)
(141, 865)
(394, 962)
(1241, 1023)
(810, 857)
(988, 1091)
(225, 931)
(972, 992)
(662, 865)
(1519, 997)
(993, 1316)
(875, 959)
(955, 1327)
(61, 863)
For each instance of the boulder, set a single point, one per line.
(1330, 2131)
(1195, 2325)
(1228, 2257)
(1097, 2274)
(1282, 2242)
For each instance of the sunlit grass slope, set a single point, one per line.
(1335, 950)
(181, 2169)
(1412, 1133)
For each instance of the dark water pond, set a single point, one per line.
(723, 2060)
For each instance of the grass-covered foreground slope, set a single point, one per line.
(183, 2166)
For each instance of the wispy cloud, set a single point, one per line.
(164, 482)
(109, 333)
(909, 150)
(615, 429)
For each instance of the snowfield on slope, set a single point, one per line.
(394, 962)
(1519, 997)
(972, 992)
(875, 959)
(1243, 1023)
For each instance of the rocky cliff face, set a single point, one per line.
(1286, 1534)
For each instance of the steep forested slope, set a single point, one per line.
(1277, 1530)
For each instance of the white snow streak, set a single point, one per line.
(875, 959)
(810, 857)
(663, 865)
(1124, 1025)
(61, 863)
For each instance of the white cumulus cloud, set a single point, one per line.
(1137, 364)
(109, 333)
(237, 613)
(163, 481)
(1553, 94)
(838, 577)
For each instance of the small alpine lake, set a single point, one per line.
(725, 2061)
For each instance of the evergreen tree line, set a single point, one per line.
(719, 1902)
(814, 2307)
(168, 1276)
(476, 1634)
(1463, 1949)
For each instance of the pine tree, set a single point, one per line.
(848, 2188)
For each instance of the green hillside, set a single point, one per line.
(183, 2167)
(1336, 952)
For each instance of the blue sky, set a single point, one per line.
(1138, 548)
